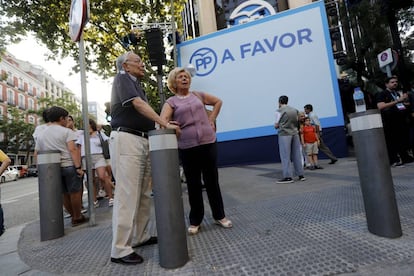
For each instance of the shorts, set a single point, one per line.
(311, 148)
(71, 181)
(97, 160)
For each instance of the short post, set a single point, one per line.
(169, 209)
(375, 174)
(50, 195)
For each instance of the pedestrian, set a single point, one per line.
(395, 111)
(56, 136)
(310, 141)
(132, 118)
(322, 146)
(98, 163)
(289, 141)
(5, 162)
(197, 146)
(305, 162)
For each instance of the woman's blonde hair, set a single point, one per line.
(173, 75)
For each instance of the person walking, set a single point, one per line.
(5, 162)
(98, 161)
(197, 146)
(289, 141)
(315, 121)
(132, 118)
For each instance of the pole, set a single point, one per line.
(168, 201)
(375, 174)
(159, 82)
(87, 143)
(173, 33)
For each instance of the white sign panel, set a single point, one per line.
(250, 65)
(385, 57)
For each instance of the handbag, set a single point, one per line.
(105, 147)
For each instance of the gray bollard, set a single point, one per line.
(50, 195)
(375, 174)
(169, 209)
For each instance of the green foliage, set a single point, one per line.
(64, 102)
(110, 21)
(17, 134)
(371, 33)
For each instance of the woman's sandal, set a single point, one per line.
(225, 223)
(193, 229)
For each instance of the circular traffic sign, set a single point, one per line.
(79, 16)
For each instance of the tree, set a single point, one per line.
(17, 134)
(371, 34)
(110, 21)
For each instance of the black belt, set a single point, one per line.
(133, 131)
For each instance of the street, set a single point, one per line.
(20, 201)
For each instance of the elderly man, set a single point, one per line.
(132, 118)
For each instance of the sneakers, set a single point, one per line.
(318, 167)
(111, 202)
(333, 161)
(96, 204)
(285, 180)
(302, 178)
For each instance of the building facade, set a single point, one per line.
(22, 85)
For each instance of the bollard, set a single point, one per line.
(375, 174)
(169, 209)
(50, 195)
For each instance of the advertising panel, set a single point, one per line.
(250, 65)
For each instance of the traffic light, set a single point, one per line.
(155, 46)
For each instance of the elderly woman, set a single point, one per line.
(197, 145)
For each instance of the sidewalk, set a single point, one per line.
(314, 227)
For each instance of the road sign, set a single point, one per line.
(385, 57)
(79, 16)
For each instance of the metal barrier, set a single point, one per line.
(375, 174)
(50, 195)
(169, 209)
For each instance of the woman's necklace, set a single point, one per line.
(183, 96)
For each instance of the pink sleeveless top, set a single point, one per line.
(195, 127)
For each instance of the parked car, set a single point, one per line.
(9, 174)
(32, 170)
(21, 169)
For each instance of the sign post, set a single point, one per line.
(79, 16)
(387, 61)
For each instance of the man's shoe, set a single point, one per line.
(333, 161)
(398, 165)
(285, 180)
(152, 240)
(302, 178)
(130, 259)
(318, 167)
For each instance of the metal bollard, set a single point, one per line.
(50, 195)
(169, 209)
(375, 174)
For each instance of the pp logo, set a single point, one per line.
(250, 11)
(204, 61)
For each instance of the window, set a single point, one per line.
(10, 78)
(22, 104)
(10, 97)
(21, 84)
(30, 103)
(30, 89)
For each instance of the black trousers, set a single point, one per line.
(201, 163)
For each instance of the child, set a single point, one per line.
(310, 142)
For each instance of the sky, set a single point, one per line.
(30, 50)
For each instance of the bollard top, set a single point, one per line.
(364, 113)
(162, 139)
(48, 157)
(161, 132)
